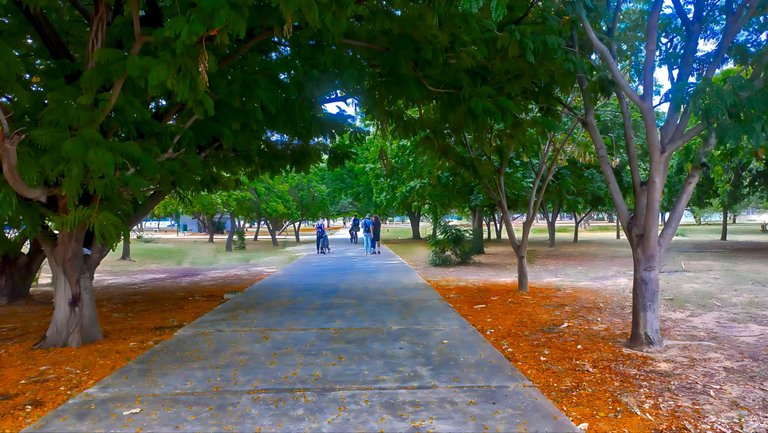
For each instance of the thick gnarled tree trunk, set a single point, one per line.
(415, 219)
(18, 272)
(75, 320)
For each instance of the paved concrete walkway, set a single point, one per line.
(341, 342)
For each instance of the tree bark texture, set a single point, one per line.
(646, 331)
(75, 320)
(273, 231)
(477, 230)
(519, 248)
(258, 229)
(126, 255)
(724, 227)
(415, 219)
(297, 231)
(18, 272)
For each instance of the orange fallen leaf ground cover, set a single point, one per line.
(33, 382)
(569, 343)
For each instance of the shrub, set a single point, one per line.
(452, 246)
(239, 239)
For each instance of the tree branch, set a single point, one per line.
(629, 142)
(613, 68)
(676, 215)
(426, 84)
(682, 14)
(82, 9)
(651, 40)
(241, 50)
(139, 40)
(363, 44)
(590, 125)
(684, 138)
(43, 27)
(8, 157)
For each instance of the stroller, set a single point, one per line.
(324, 244)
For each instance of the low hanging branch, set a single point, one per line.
(9, 159)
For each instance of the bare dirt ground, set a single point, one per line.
(712, 374)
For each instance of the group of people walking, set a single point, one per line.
(371, 233)
(371, 228)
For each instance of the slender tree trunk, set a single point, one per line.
(126, 255)
(75, 320)
(520, 249)
(724, 229)
(576, 224)
(435, 218)
(477, 230)
(231, 234)
(258, 229)
(733, 217)
(646, 332)
(297, 231)
(415, 218)
(272, 230)
(488, 228)
(618, 229)
(211, 227)
(498, 226)
(18, 272)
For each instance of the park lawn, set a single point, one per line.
(141, 303)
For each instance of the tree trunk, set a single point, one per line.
(75, 320)
(272, 231)
(126, 247)
(733, 217)
(576, 224)
(724, 229)
(210, 225)
(618, 229)
(488, 228)
(610, 217)
(498, 226)
(18, 272)
(520, 248)
(258, 229)
(477, 230)
(551, 222)
(297, 231)
(646, 332)
(551, 219)
(522, 271)
(231, 234)
(415, 219)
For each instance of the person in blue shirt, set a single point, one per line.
(354, 228)
(320, 231)
(367, 234)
